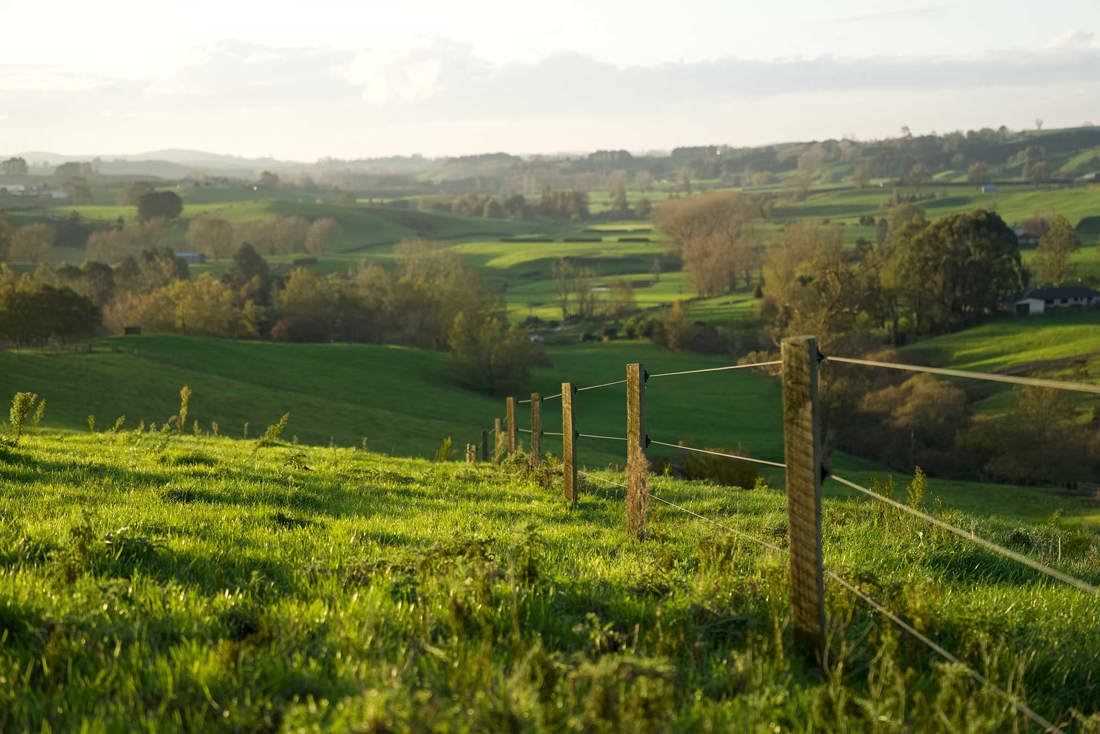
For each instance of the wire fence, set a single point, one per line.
(805, 471)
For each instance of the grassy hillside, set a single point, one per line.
(361, 226)
(159, 583)
(1009, 343)
(403, 401)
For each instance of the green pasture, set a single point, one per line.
(404, 402)
(159, 582)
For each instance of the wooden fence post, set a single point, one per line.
(802, 452)
(637, 466)
(569, 441)
(484, 444)
(536, 429)
(498, 440)
(510, 423)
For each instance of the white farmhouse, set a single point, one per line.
(1045, 299)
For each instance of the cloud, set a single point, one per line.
(441, 96)
(48, 79)
(1075, 41)
(887, 15)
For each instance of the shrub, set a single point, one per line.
(21, 405)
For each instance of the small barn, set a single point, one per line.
(192, 258)
(1051, 298)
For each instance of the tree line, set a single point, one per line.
(431, 299)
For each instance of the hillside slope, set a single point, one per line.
(155, 582)
(404, 402)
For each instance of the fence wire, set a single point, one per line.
(605, 384)
(977, 539)
(719, 369)
(602, 438)
(1020, 705)
(987, 376)
(705, 519)
(738, 457)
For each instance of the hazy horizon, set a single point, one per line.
(339, 80)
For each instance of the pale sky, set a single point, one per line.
(302, 80)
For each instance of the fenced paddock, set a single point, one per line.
(804, 472)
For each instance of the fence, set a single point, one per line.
(804, 473)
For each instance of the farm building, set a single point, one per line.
(192, 258)
(1045, 299)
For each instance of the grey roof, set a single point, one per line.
(1048, 293)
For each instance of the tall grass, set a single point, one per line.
(196, 584)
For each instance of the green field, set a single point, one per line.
(361, 226)
(153, 582)
(404, 402)
(1009, 343)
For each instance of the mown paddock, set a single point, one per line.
(805, 471)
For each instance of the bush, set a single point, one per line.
(486, 355)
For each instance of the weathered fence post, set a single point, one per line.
(536, 429)
(637, 466)
(510, 423)
(802, 452)
(569, 441)
(484, 444)
(498, 440)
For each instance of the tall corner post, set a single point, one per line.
(536, 429)
(569, 441)
(802, 452)
(637, 465)
(510, 423)
(484, 444)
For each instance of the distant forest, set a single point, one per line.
(970, 157)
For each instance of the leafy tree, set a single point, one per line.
(274, 235)
(619, 202)
(159, 205)
(74, 169)
(1056, 247)
(210, 236)
(322, 235)
(32, 312)
(72, 231)
(861, 175)
(307, 307)
(78, 190)
(620, 301)
(203, 306)
(14, 167)
(715, 235)
(31, 243)
(914, 423)
(809, 287)
(114, 245)
(268, 181)
(978, 173)
(130, 193)
(1040, 172)
(1036, 440)
(492, 209)
(250, 274)
(487, 355)
(5, 237)
(955, 270)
